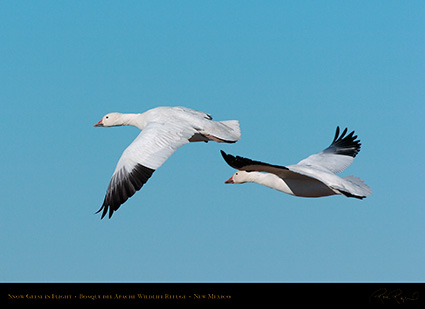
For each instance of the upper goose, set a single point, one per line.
(164, 129)
(314, 176)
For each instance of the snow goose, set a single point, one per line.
(314, 176)
(164, 129)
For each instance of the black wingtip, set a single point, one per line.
(336, 134)
(125, 188)
(345, 145)
(100, 209)
(224, 155)
(231, 160)
(105, 210)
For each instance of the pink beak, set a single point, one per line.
(99, 124)
(230, 180)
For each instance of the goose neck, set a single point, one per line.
(133, 120)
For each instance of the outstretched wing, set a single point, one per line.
(249, 165)
(338, 156)
(152, 147)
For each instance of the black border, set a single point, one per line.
(151, 294)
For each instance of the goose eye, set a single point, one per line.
(106, 117)
(236, 173)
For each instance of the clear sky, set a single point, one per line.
(289, 71)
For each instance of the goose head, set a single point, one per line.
(110, 120)
(239, 177)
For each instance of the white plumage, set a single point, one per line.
(164, 129)
(314, 176)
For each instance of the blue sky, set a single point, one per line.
(289, 71)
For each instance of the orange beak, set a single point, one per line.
(230, 180)
(99, 124)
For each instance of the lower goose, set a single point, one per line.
(314, 176)
(164, 129)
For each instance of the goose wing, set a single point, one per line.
(245, 164)
(338, 156)
(151, 148)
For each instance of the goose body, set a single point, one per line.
(314, 176)
(164, 130)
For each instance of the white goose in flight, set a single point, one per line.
(314, 176)
(164, 129)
